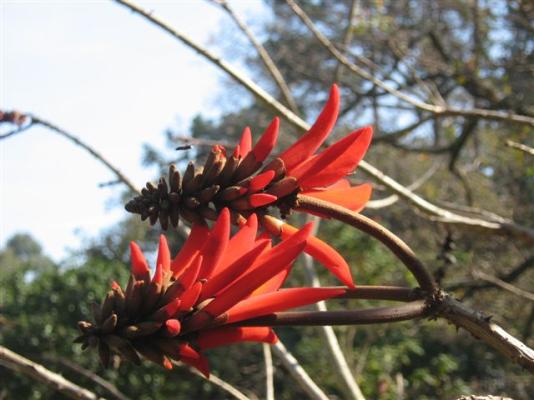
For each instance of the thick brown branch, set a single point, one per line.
(482, 327)
(411, 310)
(367, 225)
(22, 365)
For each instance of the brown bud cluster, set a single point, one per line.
(144, 320)
(222, 182)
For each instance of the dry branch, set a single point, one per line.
(434, 109)
(22, 365)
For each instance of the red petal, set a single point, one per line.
(279, 301)
(267, 141)
(261, 199)
(172, 327)
(191, 274)
(246, 142)
(232, 272)
(270, 265)
(195, 242)
(335, 162)
(215, 246)
(167, 311)
(190, 296)
(240, 243)
(309, 142)
(140, 268)
(260, 181)
(115, 286)
(229, 335)
(353, 198)
(325, 254)
(164, 255)
(274, 283)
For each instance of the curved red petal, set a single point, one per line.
(239, 244)
(245, 144)
(229, 335)
(261, 199)
(194, 243)
(164, 254)
(215, 246)
(335, 162)
(265, 145)
(310, 142)
(353, 198)
(233, 271)
(260, 181)
(274, 283)
(140, 268)
(190, 275)
(279, 301)
(190, 296)
(268, 266)
(325, 254)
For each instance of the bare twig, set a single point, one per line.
(482, 327)
(347, 38)
(20, 364)
(434, 109)
(298, 373)
(503, 285)
(264, 55)
(78, 142)
(519, 146)
(502, 227)
(269, 372)
(331, 339)
(233, 391)
(96, 379)
(390, 200)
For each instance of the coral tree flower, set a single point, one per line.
(186, 306)
(244, 183)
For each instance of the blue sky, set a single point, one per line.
(111, 79)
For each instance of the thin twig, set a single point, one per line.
(390, 200)
(503, 285)
(228, 388)
(269, 372)
(35, 121)
(96, 379)
(347, 38)
(298, 373)
(22, 365)
(436, 110)
(444, 216)
(328, 332)
(264, 55)
(519, 146)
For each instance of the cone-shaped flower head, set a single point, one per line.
(244, 183)
(185, 306)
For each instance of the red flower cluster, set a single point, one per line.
(243, 184)
(186, 306)
(190, 302)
